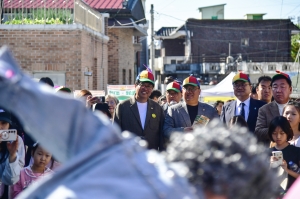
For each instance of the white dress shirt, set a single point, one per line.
(238, 107)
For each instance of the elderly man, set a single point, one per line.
(181, 117)
(141, 115)
(263, 89)
(244, 105)
(282, 88)
(173, 95)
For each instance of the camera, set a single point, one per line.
(102, 99)
(8, 135)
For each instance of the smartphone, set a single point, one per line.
(8, 135)
(102, 99)
(278, 155)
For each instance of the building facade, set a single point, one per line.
(213, 48)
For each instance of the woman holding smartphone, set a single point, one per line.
(280, 132)
(12, 156)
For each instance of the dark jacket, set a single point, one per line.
(228, 112)
(127, 117)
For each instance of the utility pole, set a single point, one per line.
(152, 38)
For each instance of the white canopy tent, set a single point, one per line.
(224, 88)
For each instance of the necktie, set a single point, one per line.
(243, 111)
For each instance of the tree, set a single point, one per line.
(295, 45)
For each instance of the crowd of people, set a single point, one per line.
(198, 150)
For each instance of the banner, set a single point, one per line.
(122, 92)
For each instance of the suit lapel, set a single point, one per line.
(252, 109)
(184, 113)
(150, 110)
(200, 109)
(231, 110)
(135, 110)
(274, 109)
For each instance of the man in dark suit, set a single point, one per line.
(141, 115)
(180, 117)
(244, 105)
(282, 88)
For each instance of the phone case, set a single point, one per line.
(200, 120)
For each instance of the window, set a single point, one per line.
(245, 42)
(183, 67)
(286, 67)
(173, 61)
(124, 76)
(232, 68)
(130, 77)
(180, 61)
(213, 67)
(255, 68)
(271, 67)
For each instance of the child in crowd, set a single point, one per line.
(292, 113)
(280, 132)
(12, 156)
(32, 172)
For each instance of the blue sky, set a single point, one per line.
(175, 12)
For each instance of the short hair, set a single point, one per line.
(161, 98)
(217, 103)
(112, 97)
(47, 80)
(238, 120)
(155, 93)
(253, 90)
(277, 77)
(218, 161)
(82, 93)
(284, 124)
(264, 78)
(297, 107)
(169, 79)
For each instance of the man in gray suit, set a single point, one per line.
(180, 117)
(282, 88)
(141, 115)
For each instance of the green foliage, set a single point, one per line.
(42, 16)
(295, 45)
(34, 21)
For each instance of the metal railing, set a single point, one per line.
(50, 12)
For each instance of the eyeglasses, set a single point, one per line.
(111, 102)
(172, 93)
(240, 85)
(146, 86)
(279, 87)
(190, 89)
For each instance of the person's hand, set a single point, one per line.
(12, 149)
(284, 165)
(90, 100)
(273, 159)
(188, 129)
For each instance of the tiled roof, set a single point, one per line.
(96, 4)
(165, 31)
(105, 4)
(38, 4)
